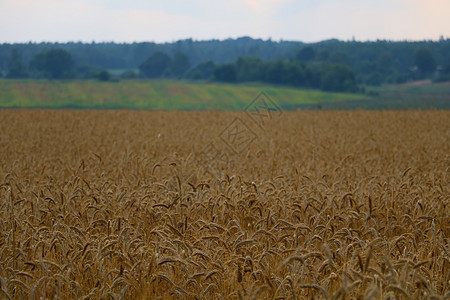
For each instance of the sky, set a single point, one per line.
(172, 20)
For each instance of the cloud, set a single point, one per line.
(71, 20)
(394, 19)
(139, 20)
(52, 20)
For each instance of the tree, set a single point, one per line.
(295, 74)
(424, 60)
(306, 54)
(204, 70)
(275, 71)
(180, 64)
(58, 63)
(157, 65)
(103, 75)
(207, 69)
(384, 62)
(374, 79)
(338, 78)
(323, 55)
(225, 73)
(446, 69)
(339, 58)
(443, 74)
(249, 69)
(37, 65)
(55, 64)
(15, 68)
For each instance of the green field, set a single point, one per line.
(181, 95)
(154, 94)
(417, 95)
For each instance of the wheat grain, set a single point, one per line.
(106, 211)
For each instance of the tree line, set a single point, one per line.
(324, 76)
(328, 65)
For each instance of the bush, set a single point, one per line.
(129, 75)
(225, 73)
(103, 75)
(442, 78)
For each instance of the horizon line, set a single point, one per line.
(440, 39)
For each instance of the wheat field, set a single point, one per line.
(209, 205)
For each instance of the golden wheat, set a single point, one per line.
(124, 205)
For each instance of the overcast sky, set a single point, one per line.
(171, 20)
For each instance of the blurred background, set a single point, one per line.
(384, 54)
